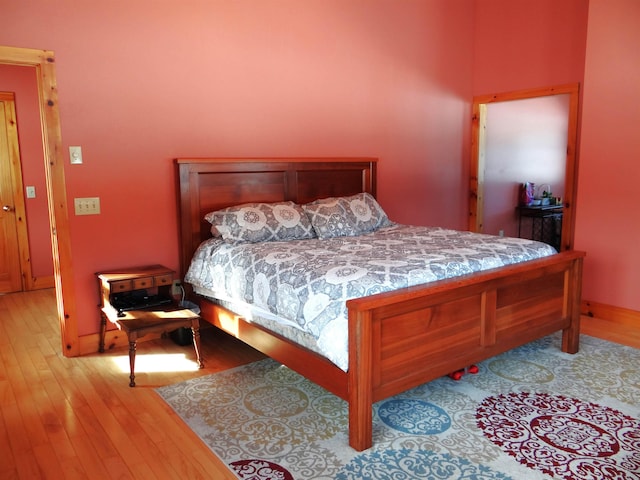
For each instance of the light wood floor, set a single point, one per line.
(78, 418)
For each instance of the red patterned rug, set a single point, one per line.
(563, 437)
(533, 413)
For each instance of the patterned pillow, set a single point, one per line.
(261, 222)
(330, 218)
(368, 213)
(346, 216)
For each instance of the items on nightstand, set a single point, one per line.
(526, 193)
(138, 302)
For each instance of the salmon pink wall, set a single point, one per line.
(520, 44)
(143, 82)
(608, 218)
(22, 82)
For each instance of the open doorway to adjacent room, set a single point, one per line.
(43, 62)
(524, 136)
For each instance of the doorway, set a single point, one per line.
(478, 164)
(44, 63)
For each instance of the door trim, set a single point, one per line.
(44, 63)
(476, 167)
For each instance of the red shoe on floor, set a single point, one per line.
(458, 374)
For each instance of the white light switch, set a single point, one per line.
(75, 155)
(87, 206)
(31, 191)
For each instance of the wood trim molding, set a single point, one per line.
(39, 283)
(617, 324)
(113, 340)
(44, 63)
(477, 161)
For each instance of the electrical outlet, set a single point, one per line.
(176, 287)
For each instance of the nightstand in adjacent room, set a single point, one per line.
(138, 301)
(546, 223)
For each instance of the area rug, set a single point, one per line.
(532, 413)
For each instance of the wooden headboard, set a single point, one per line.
(209, 184)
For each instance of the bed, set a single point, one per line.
(396, 339)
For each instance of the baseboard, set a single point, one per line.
(616, 324)
(89, 344)
(40, 283)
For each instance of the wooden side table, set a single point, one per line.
(153, 279)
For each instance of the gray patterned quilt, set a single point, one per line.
(307, 282)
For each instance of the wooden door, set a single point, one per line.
(11, 211)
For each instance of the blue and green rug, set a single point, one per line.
(532, 413)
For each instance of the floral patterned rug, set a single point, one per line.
(533, 413)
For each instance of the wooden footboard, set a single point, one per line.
(402, 339)
(399, 340)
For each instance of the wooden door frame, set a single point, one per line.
(476, 169)
(44, 63)
(19, 208)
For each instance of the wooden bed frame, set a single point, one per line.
(400, 339)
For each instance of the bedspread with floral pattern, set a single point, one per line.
(307, 282)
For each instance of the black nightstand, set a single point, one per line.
(546, 223)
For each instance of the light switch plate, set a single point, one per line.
(75, 155)
(31, 191)
(87, 206)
